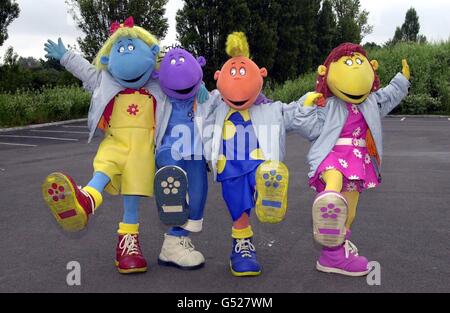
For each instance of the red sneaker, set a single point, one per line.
(70, 205)
(129, 258)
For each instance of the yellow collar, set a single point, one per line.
(245, 114)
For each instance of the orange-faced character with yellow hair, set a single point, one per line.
(248, 146)
(342, 119)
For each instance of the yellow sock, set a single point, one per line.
(98, 198)
(333, 180)
(128, 229)
(242, 233)
(352, 200)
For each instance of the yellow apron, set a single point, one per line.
(126, 154)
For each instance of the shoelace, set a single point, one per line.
(128, 245)
(89, 197)
(244, 247)
(187, 243)
(350, 248)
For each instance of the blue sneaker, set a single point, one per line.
(243, 260)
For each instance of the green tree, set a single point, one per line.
(94, 18)
(9, 10)
(10, 58)
(203, 27)
(287, 50)
(398, 36)
(409, 31)
(411, 26)
(353, 23)
(371, 46)
(326, 31)
(308, 51)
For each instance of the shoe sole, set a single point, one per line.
(184, 268)
(131, 270)
(60, 195)
(244, 274)
(171, 187)
(329, 224)
(272, 183)
(331, 270)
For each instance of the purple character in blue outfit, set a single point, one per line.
(181, 182)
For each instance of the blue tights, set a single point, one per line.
(130, 203)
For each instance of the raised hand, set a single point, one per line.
(55, 51)
(406, 71)
(314, 98)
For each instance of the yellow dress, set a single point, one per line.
(126, 154)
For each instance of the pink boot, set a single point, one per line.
(343, 260)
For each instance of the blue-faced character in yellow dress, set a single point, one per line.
(125, 110)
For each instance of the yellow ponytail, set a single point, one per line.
(237, 45)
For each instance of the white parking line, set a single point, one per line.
(16, 144)
(403, 119)
(74, 126)
(38, 137)
(58, 131)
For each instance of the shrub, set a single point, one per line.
(430, 69)
(291, 90)
(49, 105)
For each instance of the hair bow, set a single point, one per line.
(129, 22)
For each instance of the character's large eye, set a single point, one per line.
(122, 49)
(359, 61)
(233, 71)
(173, 61)
(242, 71)
(130, 47)
(349, 62)
(181, 59)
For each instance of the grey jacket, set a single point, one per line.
(104, 88)
(323, 126)
(270, 122)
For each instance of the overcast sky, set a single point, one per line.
(43, 19)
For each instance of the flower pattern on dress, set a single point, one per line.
(371, 185)
(357, 132)
(351, 186)
(352, 160)
(133, 109)
(343, 163)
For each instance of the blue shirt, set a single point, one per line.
(240, 153)
(181, 135)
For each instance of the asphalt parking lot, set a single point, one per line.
(403, 225)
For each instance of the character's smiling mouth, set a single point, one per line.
(184, 91)
(238, 103)
(352, 96)
(133, 80)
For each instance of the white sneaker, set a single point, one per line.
(180, 252)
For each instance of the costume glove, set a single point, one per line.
(406, 72)
(55, 51)
(202, 94)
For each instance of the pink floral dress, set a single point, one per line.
(354, 162)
